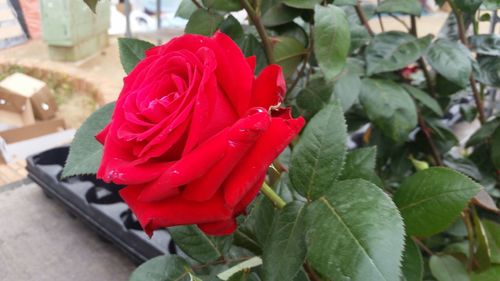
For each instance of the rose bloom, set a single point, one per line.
(193, 133)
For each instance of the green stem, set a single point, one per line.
(271, 195)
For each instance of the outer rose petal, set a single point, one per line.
(174, 211)
(269, 88)
(279, 134)
(252, 62)
(241, 138)
(219, 228)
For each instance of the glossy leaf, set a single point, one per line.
(484, 132)
(85, 152)
(483, 251)
(447, 268)
(394, 50)
(163, 268)
(250, 46)
(331, 39)
(285, 248)
(355, 231)
(450, 59)
(197, 244)
(186, 9)
(242, 275)
(203, 22)
(360, 164)
(314, 97)
(389, 107)
(232, 28)
(468, 6)
(489, 72)
(413, 264)
(492, 230)
(486, 44)
(432, 199)
(347, 88)
(288, 52)
(92, 4)
(318, 158)
(258, 222)
(223, 5)
(411, 7)
(495, 148)
(424, 98)
(131, 52)
(302, 4)
(279, 14)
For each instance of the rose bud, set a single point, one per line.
(193, 133)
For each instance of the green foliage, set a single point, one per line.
(223, 5)
(394, 50)
(360, 164)
(287, 235)
(424, 99)
(85, 152)
(413, 265)
(131, 52)
(91, 3)
(355, 230)
(332, 39)
(452, 60)
(389, 107)
(203, 22)
(302, 4)
(288, 53)
(432, 199)
(163, 268)
(447, 268)
(318, 158)
(411, 7)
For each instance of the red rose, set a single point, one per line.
(193, 133)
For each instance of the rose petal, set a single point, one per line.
(248, 198)
(173, 211)
(280, 133)
(252, 62)
(188, 168)
(269, 88)
(219, 228)
(242, 137)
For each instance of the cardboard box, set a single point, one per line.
(24, 94)
(17, 144)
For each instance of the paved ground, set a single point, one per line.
(39, 241)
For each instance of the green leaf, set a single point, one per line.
(347, 88)
(163, 268)
(491, 4)
(489, 72)
(360, 164)
(495, 148)
(486, 44)
(250, 46)
(492, 230)
(240, 276)
(197, 244)
(484, 132)
(411, 7)
(318, 158)
(447, 268)
(85, 152)
(186, 9)
(132, 52)
(314, 97)
(288, 53)
(424, 98)
(92, 4)
(293, 30)
(450, 59)
(483, 251)
(394, 50)
(285, 248)
(232, 28)
(279, 14)
(203, 22)
(223, 5)
(389, 107)
(413, 264)
(302, 4)
(331, 39)
(355, 231)
(432, 199)
(468, 6)
(488, 275)
(258, 222)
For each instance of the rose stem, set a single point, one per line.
(271, 195)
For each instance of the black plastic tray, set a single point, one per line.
(99, 205)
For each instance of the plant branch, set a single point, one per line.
(463, 38)
(380, 19)
(470, 237)
(422, 246)
(420, 61)
(266, 43)
(400, 21)
(271, 195)
(425, 130)
(310, 272)
(198, 5)
(362, 18)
